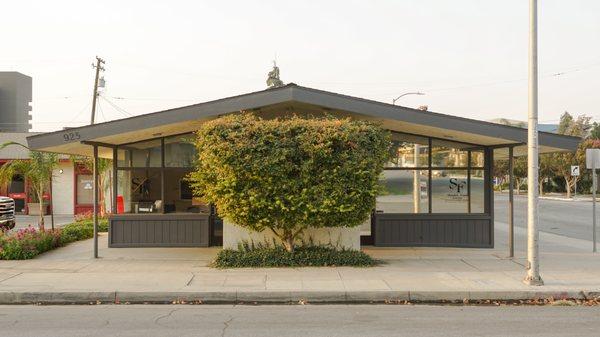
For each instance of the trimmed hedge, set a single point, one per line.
(303, 256)
(26, 243)
(290, 174)
(81, 230)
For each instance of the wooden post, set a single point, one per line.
(114, 181)
(95, 200)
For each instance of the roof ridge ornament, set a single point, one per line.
(273, 80)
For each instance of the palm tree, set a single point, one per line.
(37, 170)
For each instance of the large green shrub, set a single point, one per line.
(289, 174)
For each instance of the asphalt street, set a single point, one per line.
(568, 218)
(297, 320)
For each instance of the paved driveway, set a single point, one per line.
(32, 220)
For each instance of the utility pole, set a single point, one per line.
(533, 267)
(99, 67)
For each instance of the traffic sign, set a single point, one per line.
(592, 158)
(574, 170)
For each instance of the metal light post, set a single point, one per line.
(406, 94)
(533, 268)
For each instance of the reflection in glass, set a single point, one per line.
(403, 191)
(448, 154)
(180, 151)
(140, 190)
(449, 191)
(141, 154)
(477, 191)
(477, 158)
(409, 151)
(85, 189)
(178, 194)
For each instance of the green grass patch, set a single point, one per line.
(256, 256)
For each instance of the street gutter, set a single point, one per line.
(291, 297)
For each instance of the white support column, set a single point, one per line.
(533, 268)
(511, 202)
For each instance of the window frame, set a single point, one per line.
(162, 168)
(468, 168)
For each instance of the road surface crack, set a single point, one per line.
(157, 319)
(226, 325)
(191, 279)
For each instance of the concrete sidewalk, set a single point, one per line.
(135, 275)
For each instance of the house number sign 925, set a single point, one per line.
(70, 136)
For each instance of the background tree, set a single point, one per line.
(546, 170)
(562, 161)
(520, 172)
(37, 171)
(500, 171)
(286, 175)
(595, 131)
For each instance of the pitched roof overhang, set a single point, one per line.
(298, 100)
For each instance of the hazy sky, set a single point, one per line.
(468, 56)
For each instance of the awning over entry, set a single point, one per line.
(287, 100)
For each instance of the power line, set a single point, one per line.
(116, 107)
(101, 112)
(153, 99)
(80, 111)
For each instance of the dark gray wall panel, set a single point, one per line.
(448, 230)
(160, 230)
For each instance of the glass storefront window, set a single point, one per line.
(477, 158)
(123, 157)
(448, 154)
(140, 190)
(409, 151)
(180, 151)
(403, 191)
(477, 191)
(178, 194)
(449, 191)
(405, 182)
(141, 154)
(85, 189)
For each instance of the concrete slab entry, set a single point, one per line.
(342, 237)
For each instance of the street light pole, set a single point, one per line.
(533, 268)
(406, 94)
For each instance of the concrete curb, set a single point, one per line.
(284, 297)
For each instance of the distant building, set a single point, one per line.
(15, 99)
(71, 184)
(522, 124)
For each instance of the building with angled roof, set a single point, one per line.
(440, 176)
